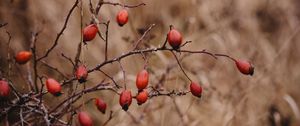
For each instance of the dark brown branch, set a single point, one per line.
(155, 93)
(101, 86)
(4, 24)
(60, 33)
(106, 39)
(33, 49)
(187, 42)
(124, 5)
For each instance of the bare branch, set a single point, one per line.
(60, 33)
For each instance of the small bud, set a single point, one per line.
(196, 89)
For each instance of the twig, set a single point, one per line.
(33, 49)
(143, 36)
(68, 58)
(187, 42)
(124, 75)
(109, 118)
(155, 93)
(111, 78)
(124, 5)
(8, 54)
(106, 39)
(178, 62)
(223, 55)
(4, 24)
(60, 33)
(54, 68)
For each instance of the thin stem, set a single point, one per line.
(60, 33)
(178, 62)
(223, 55)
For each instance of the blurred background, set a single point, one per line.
(265, 32)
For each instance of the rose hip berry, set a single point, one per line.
(122, 17)
(196, 89)
(125, 99)
(244, 67)
(53, 87)
(174, 38)
(142, 97)
(81, 74)
(142, 79)
(4, 88)
(23, 57)
(101, 105)
(90, 32)
(84, 119)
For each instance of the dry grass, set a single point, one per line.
(266, 32)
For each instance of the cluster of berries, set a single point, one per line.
(174, 38)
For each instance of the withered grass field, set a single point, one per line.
(265, 32)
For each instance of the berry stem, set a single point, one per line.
(181, 66)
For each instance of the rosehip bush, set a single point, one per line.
(69, 89)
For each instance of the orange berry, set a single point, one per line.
(174, 38)
(142, 80)
(142, 97)
(122, 17)
(101, 105)
(84, 119)
(90, 32)
(53, 87)
(23, 57)
(81, 74)
(4, 88)
(244, 67)
(125, 99)
(196, 89)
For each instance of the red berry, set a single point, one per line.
(23, 57)
(53, 87)
(125, 99)
(90, 32)
(142, 97)
(84, 119)
(81, 74)
(101, 105)
(196, 89)
(244, 67)
(142, 79)
(122, 17)
(174, 38)
(4, 88)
